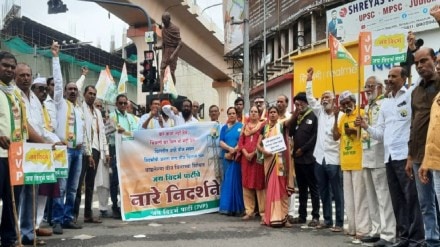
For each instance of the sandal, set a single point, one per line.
(323, 226)
(92, 220)
(288, 225)
(247, 217)
(38, 242)
(337, 229)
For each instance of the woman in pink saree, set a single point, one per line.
(279, 173)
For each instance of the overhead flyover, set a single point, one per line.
(201, 48)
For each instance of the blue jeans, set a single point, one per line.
(26, 211)
(329, 176)
(62, 209)
(428, 207)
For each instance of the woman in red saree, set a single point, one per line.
(278, 171)
(252, 173)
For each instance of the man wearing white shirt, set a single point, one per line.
(282, 104)
(50, 103)
(183, 117)
(393, 127)
(154, 119)
(13, 128)
(98, 148)
(327, 170)
(195, 109)
(383, 221)
(23, 79)
(71, 130)
(40, 89)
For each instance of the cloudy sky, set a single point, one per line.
(88, 21)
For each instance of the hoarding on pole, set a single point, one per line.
(346, 21)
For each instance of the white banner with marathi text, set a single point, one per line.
(36, 163)
(168, 172)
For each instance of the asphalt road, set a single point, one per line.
(204, 230)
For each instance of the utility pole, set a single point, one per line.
(246, 57)
(264, 50)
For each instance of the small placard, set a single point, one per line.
(149, 37)
(109, 127)
(274, 144)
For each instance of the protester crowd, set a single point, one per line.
(379, 163)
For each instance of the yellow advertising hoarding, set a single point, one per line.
(345, 74)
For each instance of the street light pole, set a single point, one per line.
(264, 50)
(246, 57)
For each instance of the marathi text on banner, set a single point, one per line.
(31, 163)
(382, 47)
(60, 161)
(274, 144)
(168, 172)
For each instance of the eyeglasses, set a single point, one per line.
(122, 103)
(98, 106)
(259, 102)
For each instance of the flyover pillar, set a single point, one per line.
(225, 96)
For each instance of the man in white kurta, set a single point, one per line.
(97, 150)
(383, 221)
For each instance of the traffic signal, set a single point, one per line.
(56, 6)
(150, 83)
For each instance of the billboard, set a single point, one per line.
(346, 21)
(345, 73)
(233, 11)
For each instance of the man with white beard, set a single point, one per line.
(327, 170)
(383, 222)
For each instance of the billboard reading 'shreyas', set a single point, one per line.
(346, 21)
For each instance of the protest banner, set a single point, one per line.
(382, 47)
(168, 172)
(31, 163)
(274, 144)
(60, 161)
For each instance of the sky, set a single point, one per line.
(89, 22)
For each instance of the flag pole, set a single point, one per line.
(331, 64)
(14, 210)
(359, 84)
(331, 74)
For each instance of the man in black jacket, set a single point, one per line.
(304, 129)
